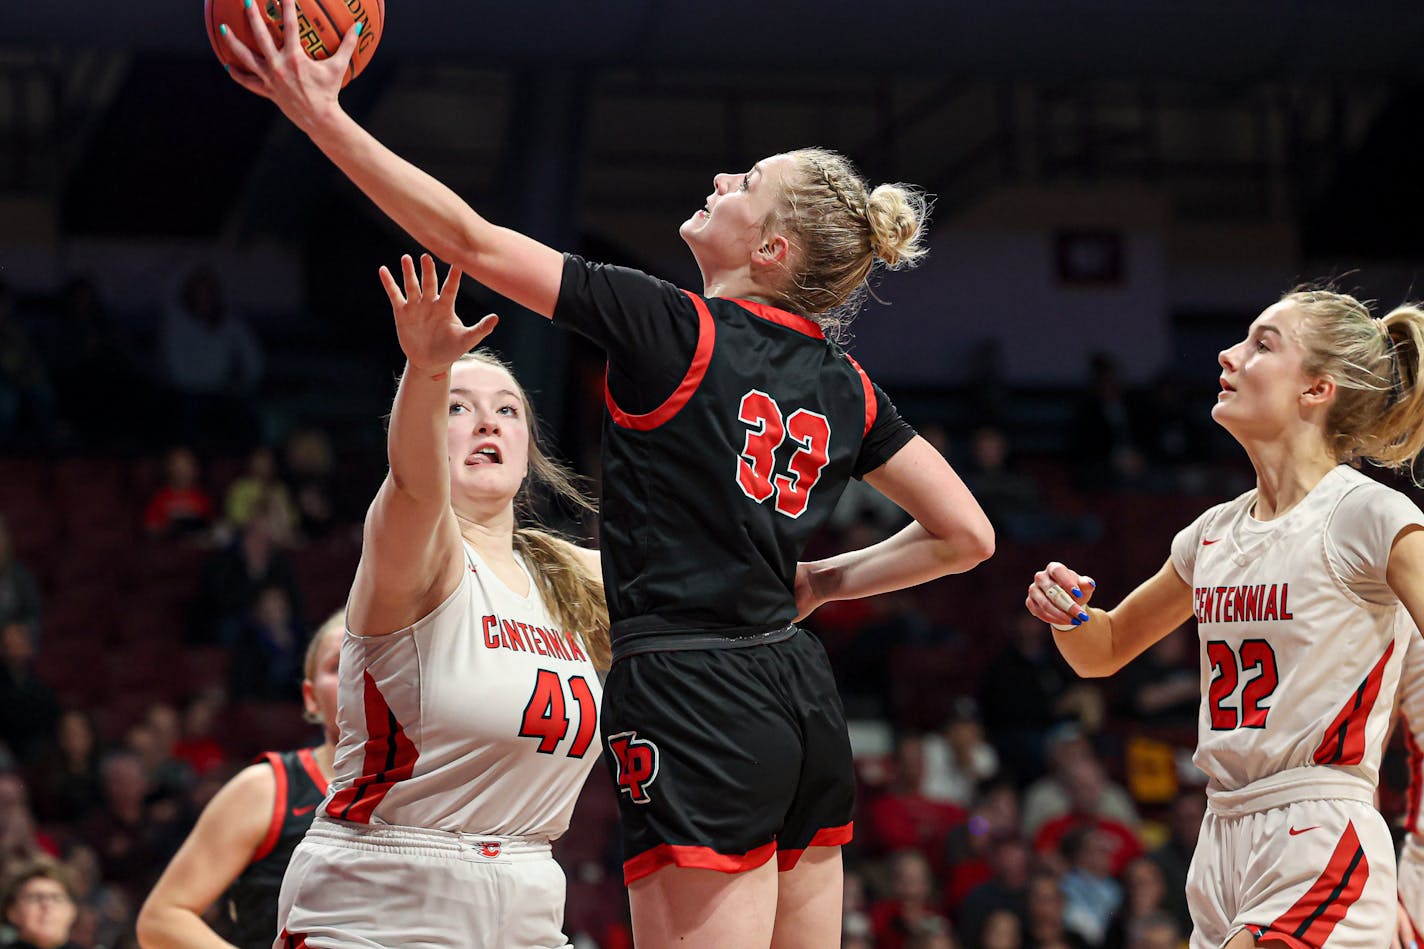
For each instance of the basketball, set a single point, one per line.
(322, 24)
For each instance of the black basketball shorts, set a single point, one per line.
(724, 758)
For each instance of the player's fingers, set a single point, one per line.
(476, 334)
(451, 286)
(1070, 611)
(290, 29)
(1089, 587)
(412, 282)
(347, 49)
(262, 36)
(388, 281)
(241, 55)
(1042, 608)
(1069, 580)
(429, 281)
(254, 84)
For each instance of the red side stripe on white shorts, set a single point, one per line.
(1345, 738)
(1312, 919)
(390, 758)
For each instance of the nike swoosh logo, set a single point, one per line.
(1293, 831)
(299, 811)
(1208, 543)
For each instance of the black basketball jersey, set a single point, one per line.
(252, 898)
(732, 428)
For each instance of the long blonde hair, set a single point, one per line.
(1376, 364)
(840, 228)
(573, 595)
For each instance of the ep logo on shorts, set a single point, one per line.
(637, 764)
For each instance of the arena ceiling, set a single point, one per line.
(1186, 39)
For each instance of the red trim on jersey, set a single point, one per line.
(801, 324)
(1416, 777)
(700, 858)
(297, 941)
(390, 758)
(279, 806)
(313, 770)
(701, 358)
(825, 837)
(1308, 923)
(870, 404)
(1345, 738)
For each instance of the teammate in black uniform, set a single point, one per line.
(247, 833)
(733, 425)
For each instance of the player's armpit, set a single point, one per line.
(1405, 573)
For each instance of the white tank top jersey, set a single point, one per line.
(481, 718)
(1411, 723)
(1302, 639)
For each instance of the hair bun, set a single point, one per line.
(896, 214)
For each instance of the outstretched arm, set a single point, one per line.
(506, 261)
(216, 852)
(950, 534)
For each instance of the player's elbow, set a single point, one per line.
(149, 926)
(969, 544)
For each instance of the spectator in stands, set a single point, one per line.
(1006, 890)
(911, 908)
(1052, 796)
(104, 914)
(901, 817)
(197, 747)
(20, 838)
(966, 860)
(267, 658)
(28, 708)
(1090, 894)
(180, 506)
(259, 487)
(1087, 789)
(39, 903)
(855, 910)
(1174, 857)
(19, 594)
(133, 843)
(67, 774)
(1046, 929)
(26, 395)
(1158, 931)
(1144, 900)
(1002, 929)
(1107, 450)
(957, 758)
(1161, 688)
(310, 469)
(212, 360)
(152, 740)
(234, 578)
(1022, 695)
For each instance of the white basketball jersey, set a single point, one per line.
(480, 718)
(1411, 722)
(1299, 669)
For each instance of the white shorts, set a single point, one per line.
(350, 886)
(1314, 874)
(1411, 881)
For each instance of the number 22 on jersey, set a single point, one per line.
(546, 716)
(1253, 654)
(756, 474)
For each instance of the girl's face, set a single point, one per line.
(727, 232)
(487, 436)
(1264, 387)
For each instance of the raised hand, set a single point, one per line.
(1060, 596)
(305, 89)
(431, 333)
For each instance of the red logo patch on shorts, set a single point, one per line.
(489, 848)
(637, 760)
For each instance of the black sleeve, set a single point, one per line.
(648, 327)
(888, 434)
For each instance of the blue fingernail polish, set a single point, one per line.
(227, 67)
(1093, 584)
(246, 4)
(1075, 621)
(1077, 592)
(222, 28)
(359, 27)
(1083, 617)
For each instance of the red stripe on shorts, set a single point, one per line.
(291, 941)
(699, 858)
(1345, 738)
(825, 837)
(1308, 923)
(390, 758)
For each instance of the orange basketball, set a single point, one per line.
(322, 24)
